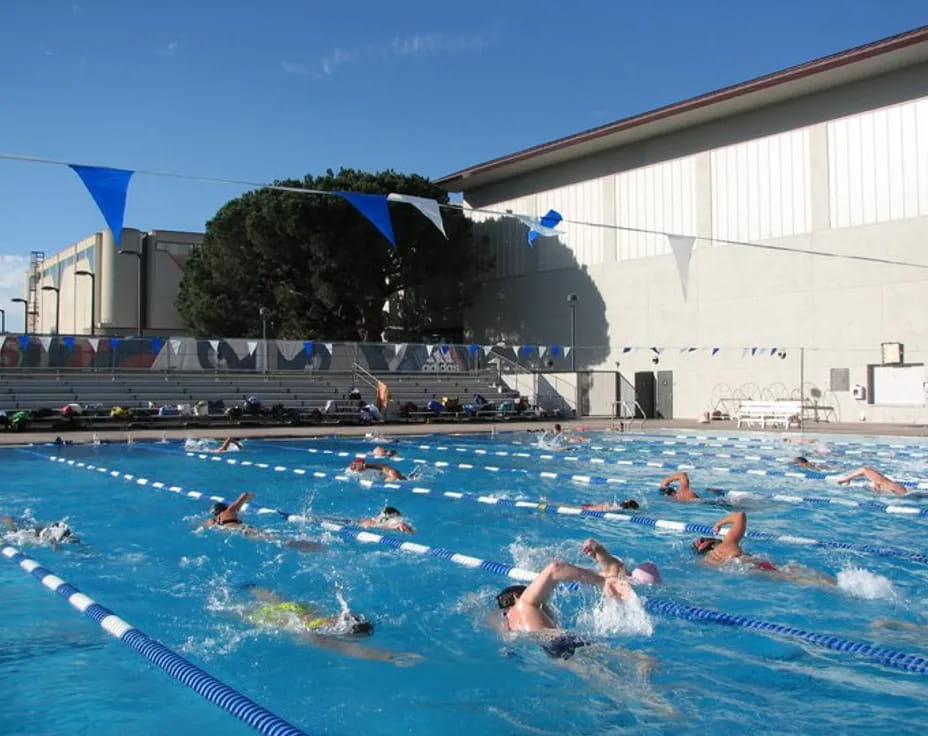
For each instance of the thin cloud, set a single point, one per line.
(169, 50)
(12, 284)
(419, 44)
(295, 67)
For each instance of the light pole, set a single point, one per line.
(93, 296)
(25, 313)
(57, 302)
(572, 300)
(264, 312)
(137, 254)
(2, 321)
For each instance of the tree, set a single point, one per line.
(323, 269)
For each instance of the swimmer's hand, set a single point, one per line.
(592, 548)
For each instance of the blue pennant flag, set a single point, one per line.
(715, 351)
(68, 342)
(527, 350)
(374, 207)
(754, 351)
(23, 342)
(473, 349)
(773, 351)
(628, 348)
(445, 349)
(108, 188)
(308, 349)
(543, 226)
(656, 351)
(114, 343)
(156, 344)
(555, 350)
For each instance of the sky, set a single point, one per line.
(262, 91)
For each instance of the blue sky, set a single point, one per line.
(254, 92)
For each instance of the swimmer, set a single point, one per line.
(627, 504)
(721, 552)
(383, 452)
(359, 465)
(226, 517)
(230, 444)
(806, 465)
(312, 627)
(683, 493)
(55, 533)
(389, 518)
(879, 483)
(525, 607)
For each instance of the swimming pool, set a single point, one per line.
(143, 555)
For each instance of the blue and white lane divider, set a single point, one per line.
(762, 472)
(773, 441)
(655, 606)
(675, 526)
(201, 682)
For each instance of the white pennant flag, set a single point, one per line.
(215, 344)
(252, 346)
(398, 348)
(176, 345)
(328, 346)
(487, 349)
(94, 343)
(567, 351)
(428, 207)
(46, 342)
(682, 247)
(429, 349)
(541, 351)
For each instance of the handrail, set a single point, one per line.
(359, 371)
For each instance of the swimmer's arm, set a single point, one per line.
(739, 525)
(860, 473)
(237, 504)
(538, 591)
(681, 478)
(609, 565)
(359, 651)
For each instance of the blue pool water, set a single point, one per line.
(143, 555)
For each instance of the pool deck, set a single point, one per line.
(823, 428)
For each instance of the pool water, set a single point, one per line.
(144, 554)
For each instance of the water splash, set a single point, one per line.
(864, 584)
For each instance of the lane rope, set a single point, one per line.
(198, 680)
(656, 606)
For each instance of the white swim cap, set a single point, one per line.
(55, 532)
(646, 573)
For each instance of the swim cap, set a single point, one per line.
(354, 624)
(646, 573)
(217, 508)
(391, 511)
(55, 532)
(704, 544)
(508, 597)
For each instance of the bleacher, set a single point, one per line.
(174, 399)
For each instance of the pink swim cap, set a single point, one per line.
(646, 574)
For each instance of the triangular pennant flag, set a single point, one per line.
(691, 350)
(473, 349)
(429, 349)
(156, 344)
(715, 351)
(487, 349)
(517, 348)
(288, 349)
(428, 207)
(682, 247)
(23, 342)
(773, 351)
(215, 345)
(68, 342)
(114, 343)
(328, 346)
(252, 346)
(108, 188)
(628, 349)
(754, 351)
(555, 350)
(400, 346)
(94, 342)
(656, 351)
(541, 351)
(445, 349)
(176, 345)
(527, 350)
(374, 208)
(308, 348)
(566, 351)
(46, 342)
(541, 226)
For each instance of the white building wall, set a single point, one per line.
(855, 184)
